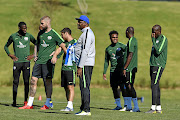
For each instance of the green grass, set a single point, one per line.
(105, 15)
(101, 104)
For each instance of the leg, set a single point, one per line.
(71, 92)
(33, 86)
(16, 74)
(26, 75)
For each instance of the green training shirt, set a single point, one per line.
(64, 67)
(114, 54)
(21, 45)
(132, 46)
(46, 43)
(159, 51)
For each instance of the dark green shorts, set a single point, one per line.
(43, 70)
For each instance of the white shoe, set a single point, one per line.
(67, 109)
(124, 109)
(84, 113)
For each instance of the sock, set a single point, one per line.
(30, 101)
(158, 107)
(129, 107)
(47, 101)
(118, 102)
(125, 101)
(153, 107)
(135, 103)
(70, 104)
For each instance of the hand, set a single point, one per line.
(13, 57)
(104, 77)
(52, 53)
(35, 58)
(79, 72)
(54, 60)
(153, 35)
(29, 57)
(124, 73)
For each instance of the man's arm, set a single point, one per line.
(127, 62)
(54, 59)
(32, 39)
(160, 48)
(13, 57)
(106, 64)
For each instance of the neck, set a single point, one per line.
(21, 33)
(69, 38)
(48, 29)
(130, 36)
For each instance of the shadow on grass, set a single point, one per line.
(17, 105)
(55, 112)
(101, 108)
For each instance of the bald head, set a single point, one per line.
(46, 18)
(157, 30)
(129, 32)
(45, 23)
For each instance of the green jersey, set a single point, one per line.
(159, 51)
(132, 47)
(46, 43)
(64, 67)
(21, 45)
(114, 54)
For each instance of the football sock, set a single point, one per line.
(135, 103)
(129, 107)
(125, 101)
(30, 101)
(153, 107)
(47, 101)
(70, 104)
(118, 102)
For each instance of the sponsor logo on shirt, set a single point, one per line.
(21, 45)
(49, 37)
(44, 44)
(16, 38)
(26, 38)
(157, 41)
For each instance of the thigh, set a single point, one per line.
(37, 69)
(156, 73)
(26, 68)
(48, 70)
(17, 67)
(114, 80)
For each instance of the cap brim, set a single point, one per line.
(78, 19)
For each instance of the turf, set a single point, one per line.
(101, 104)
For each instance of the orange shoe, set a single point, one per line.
(25, 103)
(26, 107)
(44, 107)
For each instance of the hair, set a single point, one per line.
(130, 30)
(157, 27)
(21, 24)
(112, 32)
(68, 30)
(47, 18)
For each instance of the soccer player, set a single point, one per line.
(157, 64)
(115, 54)
(43, 68)
(21, 45)
(68, 68)
(85, 60)
(130, 69)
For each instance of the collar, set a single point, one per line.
(84, 29)
(159, 38)
(17, 33)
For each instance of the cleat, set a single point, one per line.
(123, 109)
(135, 110)
(84, 113)
(67, 109)
(51, 104)
(117, 108)
(25, 103)
(159, 111)
(44, 107)
(26, 107)
(151, 111)
(13, 105)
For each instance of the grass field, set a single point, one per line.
(101, 104)
(105, 15)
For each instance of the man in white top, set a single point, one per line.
(85, 60)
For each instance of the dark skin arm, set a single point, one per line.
(13, 57)
(127, 63)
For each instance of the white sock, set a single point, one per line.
(153, 107)
(30, 101)
(158, 107)
(70, 104)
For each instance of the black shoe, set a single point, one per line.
(13, 105)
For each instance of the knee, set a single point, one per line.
(33, 82)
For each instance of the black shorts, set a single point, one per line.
(43, 70)
(67, 78)
(130, 76)
(116, 79)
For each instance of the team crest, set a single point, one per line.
(157, 41)
(26, 38)
(49, 37)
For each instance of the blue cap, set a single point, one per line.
(83, 18)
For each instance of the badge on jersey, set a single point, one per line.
(49, 37)
(26, 38)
